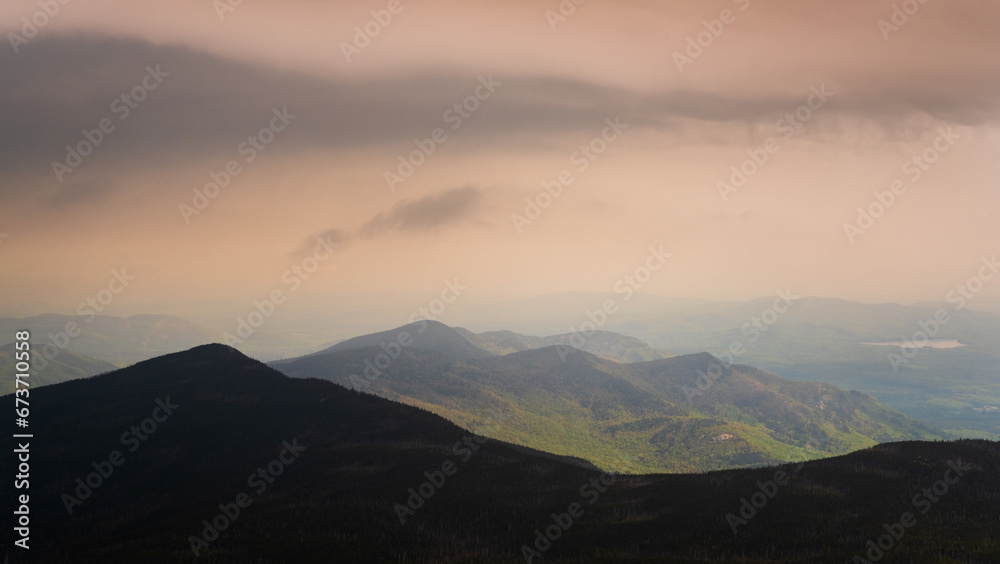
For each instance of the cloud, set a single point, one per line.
(447, 207)
(208, 104)
(426, 213)
(334, 237)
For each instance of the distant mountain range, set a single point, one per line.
(118, 340)
(690, 413)
(826, 340)
(464, 344)
(582, 396)
(207, 455)
(65, 366)
(68, 347)
(817, 340)
(604, 344)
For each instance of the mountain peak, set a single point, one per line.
(202, 353)
(425, 335)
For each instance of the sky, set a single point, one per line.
(196, 152)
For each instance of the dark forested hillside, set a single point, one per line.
(212, 451)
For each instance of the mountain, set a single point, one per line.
(601, 343)
(465, 345)
(117, 340)
(271, 469)
(425, 335)
(689, 413)
(201, 421)
(829, 340)
(80, 346)
(816, 340)
(64, 366)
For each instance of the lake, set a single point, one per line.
(934, 344)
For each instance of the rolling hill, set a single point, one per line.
(424, 335)
(600, 343)
(816, 340)
(688, 413)
(826, 340)
(464, 344)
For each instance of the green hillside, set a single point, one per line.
(601, 343)
(825, 340)
(574, 403)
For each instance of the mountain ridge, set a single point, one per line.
(672, 411)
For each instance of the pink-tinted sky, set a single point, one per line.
(547, 86)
